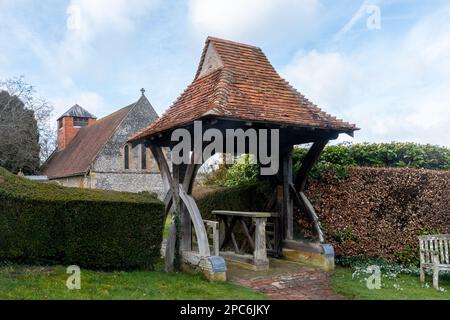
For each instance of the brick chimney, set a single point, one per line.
(70, 123)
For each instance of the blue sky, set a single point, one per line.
(393, 82)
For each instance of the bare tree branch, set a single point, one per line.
(18, 88)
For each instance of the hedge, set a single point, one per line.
(338, 158)
(49, 224)
(379, 212)
(392, 154)
(374, 212)
(249, 197)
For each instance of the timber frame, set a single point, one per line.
(289, 190)
(236, 87)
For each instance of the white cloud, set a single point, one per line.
(245, 20)
(393, 90)
(86, 18)
(90, 26)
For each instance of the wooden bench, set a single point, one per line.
(253, 225)
(434, 255)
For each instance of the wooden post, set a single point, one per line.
(197, 221)
(288, 206)
(260, 253)
(180, 194)
(179, 172)
(169, 184)
(300, 182)
(279, 220)
(186, 229)
(187, 178)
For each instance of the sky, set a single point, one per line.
(383, 65)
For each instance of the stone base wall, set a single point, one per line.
(125, 182)
(135, 182)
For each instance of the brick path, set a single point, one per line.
(285, 281)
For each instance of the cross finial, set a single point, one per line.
(143, 91)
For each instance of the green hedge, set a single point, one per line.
(338, 158)
(393, 154)
(250, 197)
(46, 223)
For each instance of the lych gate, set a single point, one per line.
(236, 87)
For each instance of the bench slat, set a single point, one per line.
(427, 251)
(434, 254)
(421, 251)
(447, 257)
(434, 246)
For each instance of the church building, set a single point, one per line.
(93, 153)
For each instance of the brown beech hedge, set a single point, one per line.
(379, 212)
(49, 224)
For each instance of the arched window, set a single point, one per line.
(143, 157)
(126, 157)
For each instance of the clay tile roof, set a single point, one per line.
(77, 157)
(78, 111)
(242, 85)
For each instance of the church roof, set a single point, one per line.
(79, 154)
(236, 81)
(78, 111)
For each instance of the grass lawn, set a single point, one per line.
(402, 287)
(24, 282)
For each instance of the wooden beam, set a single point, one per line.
(279, 227)
(179, 175)
(163, 167)
(297, 190)
(288, 206)
(248, 235)
(197, 221)
(168, 202)
(169, 184)
(187, 178)
(190, 173)
(306, 206)
(271, 201)
(311, 157)
(181, 198)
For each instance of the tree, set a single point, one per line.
(19, 136)
(17, 87)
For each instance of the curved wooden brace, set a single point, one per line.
(197, 221)
(308, 162)
(300, 182)
(181, 191)
(303, 202)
